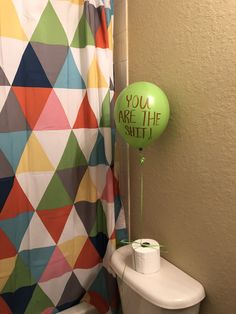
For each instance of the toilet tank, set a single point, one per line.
(168, 291)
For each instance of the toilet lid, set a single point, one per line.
(169, 288)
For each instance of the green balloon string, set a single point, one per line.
(141, 163)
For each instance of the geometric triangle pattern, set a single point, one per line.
(60, 209)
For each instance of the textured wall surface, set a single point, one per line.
(188, 48)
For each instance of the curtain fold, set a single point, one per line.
(60, 210)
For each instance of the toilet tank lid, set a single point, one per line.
(169, 288)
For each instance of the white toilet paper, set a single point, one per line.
(146, 259)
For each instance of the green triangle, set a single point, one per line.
(105, 119)
(55, 195)
(83, 34)
(39, 302)
(49, 29)
(20, 277)
(73, 156)
(100, 224)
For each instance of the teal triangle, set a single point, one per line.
(98, 155)
(15, 227)
(12, 144)
(37, 260)
(70, 76)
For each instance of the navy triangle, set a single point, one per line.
(100, 243)
(30, 72)
(19, 300)
(5, 188)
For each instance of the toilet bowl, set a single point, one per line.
(167, 291)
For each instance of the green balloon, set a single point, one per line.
(141, 113)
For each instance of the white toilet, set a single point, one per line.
(168, 291)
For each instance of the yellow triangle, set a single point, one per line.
(110, 36)
(33, 158)
(81, 2)
(6, 265)
(87, 190)
(71, 249)
(9, 21)
(95, 76)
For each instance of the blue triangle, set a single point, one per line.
(12, 144)
(30, 72)
(15, 227)
(69, 76)
(98, 155)
(19, 300)
(37, 260)
(5, 188)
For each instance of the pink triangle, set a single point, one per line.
(56, 267)
(53, 116)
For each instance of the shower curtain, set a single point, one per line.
(60, 211)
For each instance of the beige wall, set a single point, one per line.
(188, 48)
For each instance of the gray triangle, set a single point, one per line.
(5, 167)
(92, 16)
(71, 179)
(11, 117)
(87, 213)
(52, 58)
(3, 79)
(73, 291)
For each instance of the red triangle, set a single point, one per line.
(88, 257)
(101, 37)
(86, 117)
(4, 307)
(54, 220)
(32, 101)
(16, 203)
(98, 301)
(7, 248)
(111, 189)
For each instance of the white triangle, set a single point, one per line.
(73, 227)
(29, 13)
(36, 236)
(109, 211)
(96, 97)
(98, 175)
(4, 91)
(70, 100)
(87, 276)
(83, 58)
(120, 222)
(53, 143)
(34, 185)
(54, 288)
(69, 16)
(106, 132)
(86, 139)
(10, 56)
(105, 60)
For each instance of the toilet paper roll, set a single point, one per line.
(146, 259)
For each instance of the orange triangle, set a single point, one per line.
(54, 220)
(88, 257)
(16, 203)
(86, 117)
(32, 101)
(101, 37)
(7, 248)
